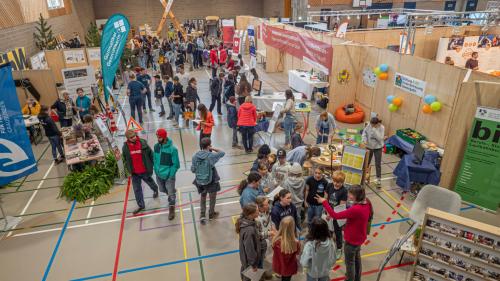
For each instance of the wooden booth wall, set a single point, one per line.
(56, 62)
(42, 80)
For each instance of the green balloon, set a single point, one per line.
(377, 70)
(436, 106)
(393, 107)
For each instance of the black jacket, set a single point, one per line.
(48, 125)
(216, 87)
(61, 108)
(178, 92)
(229, 89)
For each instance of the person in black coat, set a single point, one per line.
(65, 108)
(52, 133)
(216, 91)
(229, 87)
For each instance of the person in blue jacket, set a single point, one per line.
(82, 103)
(249, 189)
(169, 89)
(232, 119)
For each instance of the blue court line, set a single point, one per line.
(213, 255)
(47, 270)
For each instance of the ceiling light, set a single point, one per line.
(357, 17)
(348, 17)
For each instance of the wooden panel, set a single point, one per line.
(11, 13)
(434, 126)
(95, 64)
(365, 94)
(344, 57)
(443, 81)
(55, 61)
(31, 10)
(42, 80)
(488, 94)
(69, 65)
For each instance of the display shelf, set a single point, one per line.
(457, 247)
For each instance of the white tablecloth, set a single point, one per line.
(32, 120)
(304, 84)
(265, 102)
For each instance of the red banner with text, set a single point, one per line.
(311, 51)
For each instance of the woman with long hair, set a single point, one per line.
(289, 118)
(243, 89)
(247, 120)
(286, 248)
(207, 122)
(250, 244)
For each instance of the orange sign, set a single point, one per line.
(133, 125)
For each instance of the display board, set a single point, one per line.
(353, 160)
(39, 61)
(456, 248)
(79, 77)
(277, 107)
(478, 181)
(460, 48)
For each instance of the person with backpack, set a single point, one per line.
(165, 165)
(216, 91)
(206, 177)
(358, 217)
(232, 119)
(318, 256)
(169, 90)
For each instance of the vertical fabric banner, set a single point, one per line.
(16, 156)
(252, 46)
(478, 181)
(227, 32)
(114, 38)
(236, 45)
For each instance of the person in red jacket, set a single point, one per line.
(355, 230)
(247, 120)
(206, 123)
(286, 248)
(214, 61)
(222, 57)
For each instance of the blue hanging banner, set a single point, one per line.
(16, 156)
(113, 40)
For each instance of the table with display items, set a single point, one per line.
(266, 102)
(302, 81)
(78, 152)
(409, 171)
(34, 128)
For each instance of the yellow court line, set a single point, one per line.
(184, 237)
(234, 218)
(395, 200)
(369, 255)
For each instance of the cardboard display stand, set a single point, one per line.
(353, 164)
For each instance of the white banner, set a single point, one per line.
(38, 61)
(74, 56)
(79, 77)
(409, 84)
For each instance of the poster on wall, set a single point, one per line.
(409, 84)
(459, 49)
(236, 45)
(79, 77)
(478, 181)
(94, 54)
(252, 46)
(74, 56)
(17, 155)
(316, 53)
(16, 57)
(38, 61)
(228, 31)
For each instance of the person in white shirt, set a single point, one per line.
(373, 139)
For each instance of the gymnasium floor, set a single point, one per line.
(154, 248)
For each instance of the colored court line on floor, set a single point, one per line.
(184, 246)
(198, 250)
(376, 270)
(38, 160)
(183, 152)
(395, 200)
(120, 234)
(59, 240)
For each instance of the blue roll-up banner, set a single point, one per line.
(113, 40)
(252, 46)
(16, 156)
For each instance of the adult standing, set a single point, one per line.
(232, 119)
(206, 177)
(177, 100)
(145, 79)
(135, 91)
(325, 126)
(373, 139)
(169, 89)
(206, 124)
(222, 57)
(289, 118)
(166, 68)
(243, 89)
(138, 158)
(191, 97)
(65, 108)
(216, 91)
(247, 120)
(82, 103)
(52, 133)
(229, 88)
(214, 61)
(166, 164)
(189, 53)
(355, 230)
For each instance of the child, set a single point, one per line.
(319, 251)
(169, 89)
(280, 169)
(249, 189)
(337, 195)
(296, 138)
(206, 123)
(265, 181)
(282, 208)
(262, 155)
(264, 227)
(286, 247)
(246, 227)
(232, 119)
(159, 93)
(295, 183)
(315, 185)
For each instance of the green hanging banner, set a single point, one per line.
(113, 40)
(478, 181)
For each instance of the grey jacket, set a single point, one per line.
(296, 186)
(249, 243)
(318, 258)
(332, 125)
(373, 137)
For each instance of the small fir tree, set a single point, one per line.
(93, 38)
(44, 38)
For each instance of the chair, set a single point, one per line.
(430, 196)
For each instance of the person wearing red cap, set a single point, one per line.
(166, 164)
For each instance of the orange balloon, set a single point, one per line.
(383, 76)
(427, 109)
(397, 102)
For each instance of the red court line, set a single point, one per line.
(179, 206)
(376, 270)
(119, 246)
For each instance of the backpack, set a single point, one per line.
(203, 173)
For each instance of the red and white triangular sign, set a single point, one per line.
(133, 125)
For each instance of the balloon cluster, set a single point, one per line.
(394, 103)
(431, 104)
(381, 71)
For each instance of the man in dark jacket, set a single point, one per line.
(52, 133)
(166, 68)
(138, 160)
(65, 108)
(216, 91)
